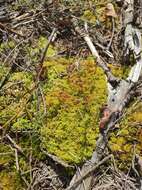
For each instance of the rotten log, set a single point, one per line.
(118, 91)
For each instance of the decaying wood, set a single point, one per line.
(119, 94)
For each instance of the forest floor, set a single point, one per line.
(53, 94)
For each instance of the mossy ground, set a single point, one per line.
(73, 94)
(73, 104)
(69, 129)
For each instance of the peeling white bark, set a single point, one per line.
(91, 46)
(135, 72)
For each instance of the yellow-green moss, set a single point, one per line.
(128, 137)
(5, 45)
(73, 95)
(73, 106)
(10, 181)
(89, 15)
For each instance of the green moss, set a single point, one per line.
(73, 102)
(128, 138)
(23, 77)
(73, 96)
(6, 155)
(10, 181)
(22, 124)
(36, 50)
(89, 15)
(73, 99)
(11, 100)
(73, 105)
(120, 71)
(3, 71)
(10, 44)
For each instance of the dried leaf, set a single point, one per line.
(110, 11)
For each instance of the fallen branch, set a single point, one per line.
(92, 169)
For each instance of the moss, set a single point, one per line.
(36, 50)
(3, 71)
(137, 116)
(89, 15)
(73, 102)
(23, 77)
(73, 105)
(73, 99)
(22, 124)
(128, 138)
(10, 181)
(7, 157)
(11, 101)
(119, 71)
(8, 44)
(73, 96)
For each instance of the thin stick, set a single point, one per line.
(17, 147)
(51, 38)
(82, 180)
(16, 159)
